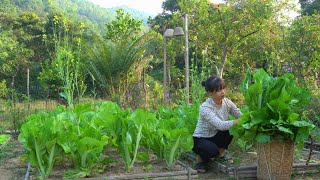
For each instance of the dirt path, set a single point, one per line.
(11, 166)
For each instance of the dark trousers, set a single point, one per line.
(208, 148)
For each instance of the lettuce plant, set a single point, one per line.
(41, 142)
(3, 138)
(274, 105)
(176, 139)
(79, 137)
(124, 129)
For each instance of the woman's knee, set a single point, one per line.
(206, 148)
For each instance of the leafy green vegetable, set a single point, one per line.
(82, 133)
(41, 142)
(3, 138)
(273, 111)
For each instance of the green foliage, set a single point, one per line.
(273, 111)
(170, 6)
(41, 142)
(227, 26)
(66, 64)
(82, 133)
(83, 141)
(3, 89)
(135, 13)
(309, 7)
(47, 136)
(175, 128)
(302, 45)
(113, 64)
(26, 24)
(3, 138)
(124, 28)
(13, 54)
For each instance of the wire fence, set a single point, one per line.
(19, 103)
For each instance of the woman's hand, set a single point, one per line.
(235, 121)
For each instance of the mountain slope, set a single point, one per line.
(133, 12)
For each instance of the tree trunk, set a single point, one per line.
(224, 57)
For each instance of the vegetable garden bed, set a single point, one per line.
(115, 169)
(13, 166)
(243, 161)
(101, 139)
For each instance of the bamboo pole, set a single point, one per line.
(251, 171)
(315, 144)
(150, 175)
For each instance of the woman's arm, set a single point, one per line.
(209, 115)
(233, 109)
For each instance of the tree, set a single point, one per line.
(309, 7)
(226, 26)
(29, 28)
(124, 28)
(13, 55)
(170, 6)
(302, 48)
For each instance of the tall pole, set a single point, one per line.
(164, 70)
(186, 56)
(28, 87)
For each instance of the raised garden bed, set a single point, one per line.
(181, 171)
(153, 169)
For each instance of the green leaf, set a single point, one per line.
(293, 117)
(246, 126)
(284, 129)
(147, 168)
(3, 138)
(143, 156)
(302, 135)
(262, 138)
(303, 124)
(272, 121)
(128, 138)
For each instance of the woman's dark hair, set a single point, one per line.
(213, 84)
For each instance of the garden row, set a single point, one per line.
(82, 134)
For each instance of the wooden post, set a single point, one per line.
(164, 70)
(28, 88)
(186, 57)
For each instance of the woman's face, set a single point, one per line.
(218, 95)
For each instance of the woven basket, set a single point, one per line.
(275, 160)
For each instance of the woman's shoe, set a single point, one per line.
(225, 159)
(201, 167)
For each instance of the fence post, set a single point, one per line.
(28, 88)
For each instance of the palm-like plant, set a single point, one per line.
(111, 63)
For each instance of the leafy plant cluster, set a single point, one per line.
(83, 133)
(273, 113)
(3, 138)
